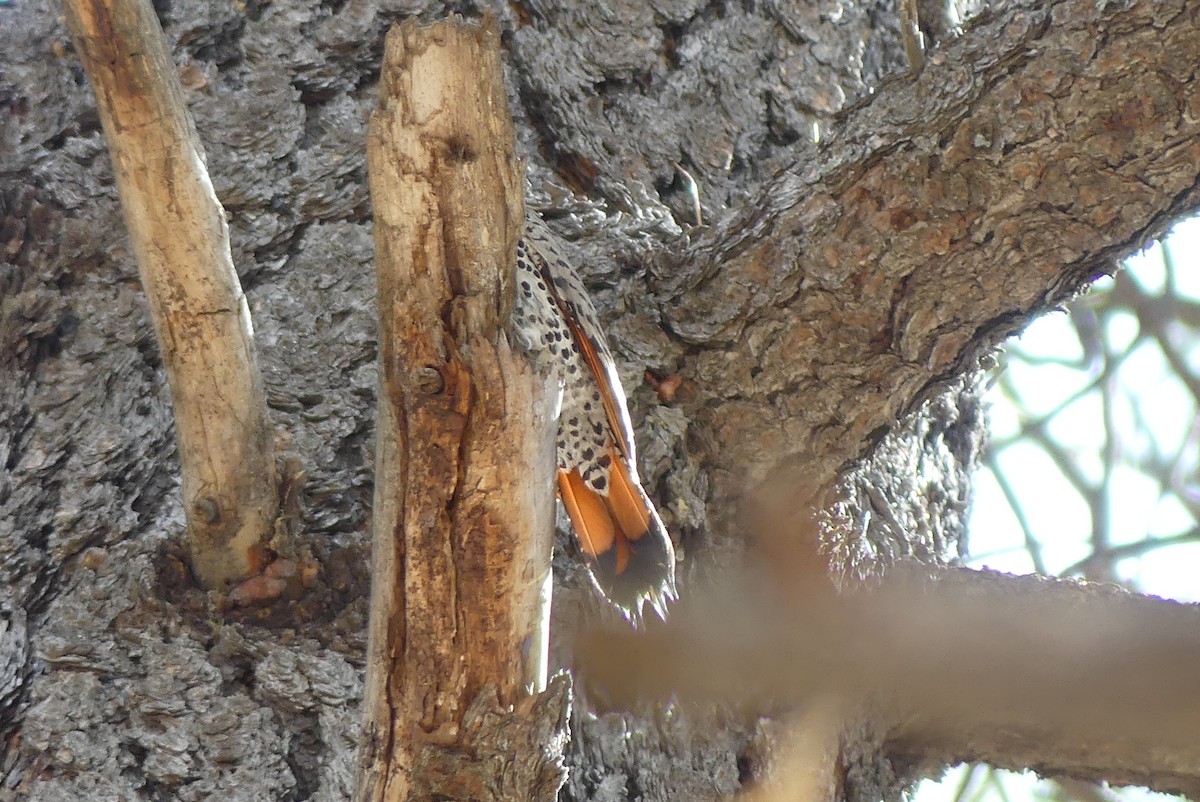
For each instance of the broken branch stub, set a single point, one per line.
(463, 510)
(180, 239)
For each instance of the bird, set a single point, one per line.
(621, 536)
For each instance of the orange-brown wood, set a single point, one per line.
(464, 505)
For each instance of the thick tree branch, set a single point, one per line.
(819, 360)
(1079, 679)
(181, 241)
(1050, 140)
(464, 446)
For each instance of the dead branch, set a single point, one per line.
(463, 491)
(179, 236)
(1083, 680)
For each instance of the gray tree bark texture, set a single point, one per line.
(825, 306)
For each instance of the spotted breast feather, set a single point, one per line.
(620, 534)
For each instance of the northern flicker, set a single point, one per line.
(620, 534)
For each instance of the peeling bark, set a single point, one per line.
(464, 445)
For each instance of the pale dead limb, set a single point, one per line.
(179, 236)
(464, 445)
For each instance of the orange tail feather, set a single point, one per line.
(594, 527)
(624, 542)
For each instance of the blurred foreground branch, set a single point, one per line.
(1084, 680)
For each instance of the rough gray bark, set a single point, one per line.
(839, 290)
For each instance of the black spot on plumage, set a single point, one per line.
(560, 297)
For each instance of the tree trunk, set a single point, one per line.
(823, 327)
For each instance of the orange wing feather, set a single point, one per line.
(612, 533)
(626, 502)
(612, 528)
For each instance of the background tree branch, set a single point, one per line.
(945, 211)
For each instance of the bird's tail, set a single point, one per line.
(622, 538)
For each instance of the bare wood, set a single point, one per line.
(464, 446)
(1084, 680)
(179, 236)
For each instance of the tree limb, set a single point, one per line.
(181, 241)
(1050, 140)
(1067, 678)
(464, 446)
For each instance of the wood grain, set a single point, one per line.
(179, 235)
(464, 444)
